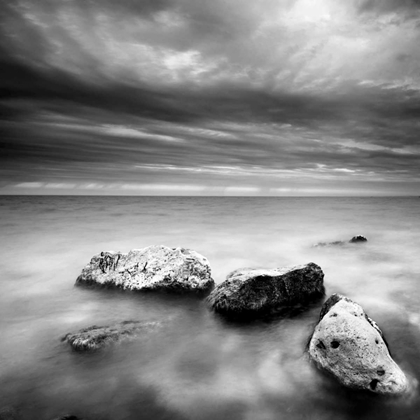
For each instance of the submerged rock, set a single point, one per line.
(152, 268)
(94, 338)
(335, 243)
(355, 239)
(250, 291)
(350, 346)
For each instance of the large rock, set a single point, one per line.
(350, 346)
(251, 291)
(94, 338)
(151, 268)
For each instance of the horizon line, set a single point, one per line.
(211, 195)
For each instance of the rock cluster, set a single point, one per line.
(153, 268)
(350, 346)
(251, 291)
(345, 343)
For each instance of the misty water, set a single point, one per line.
(198, 366)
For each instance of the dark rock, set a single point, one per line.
(357, 239)
(153, 268)
(350, 346)
(253, 291)
(94, 338)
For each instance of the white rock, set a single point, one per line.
(349, 345)
(153, 268)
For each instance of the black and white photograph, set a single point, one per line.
(209, 209)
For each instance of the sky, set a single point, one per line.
(220, 97)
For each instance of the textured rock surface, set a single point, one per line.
(248, 291)
(151, 268)
(94, 338)
(350, 346)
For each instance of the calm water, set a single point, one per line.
(198, 366)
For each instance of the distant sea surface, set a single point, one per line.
(198, 367)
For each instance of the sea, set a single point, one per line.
(199, 365)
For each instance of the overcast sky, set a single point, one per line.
(226, 97)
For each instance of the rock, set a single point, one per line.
(152, 268)
(94, 338)
(251, 291)
(355, 239)
(335, 243)
(350, 346)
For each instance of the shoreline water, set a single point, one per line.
(202, 367)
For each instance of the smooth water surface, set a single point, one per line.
(198, 366)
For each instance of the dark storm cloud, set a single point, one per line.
(387, 6)
(55, 90)
(152, 90)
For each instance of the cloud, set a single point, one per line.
(127, 132)
(412, 7)
(162, 187)
(30, 185)
(212, 90)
